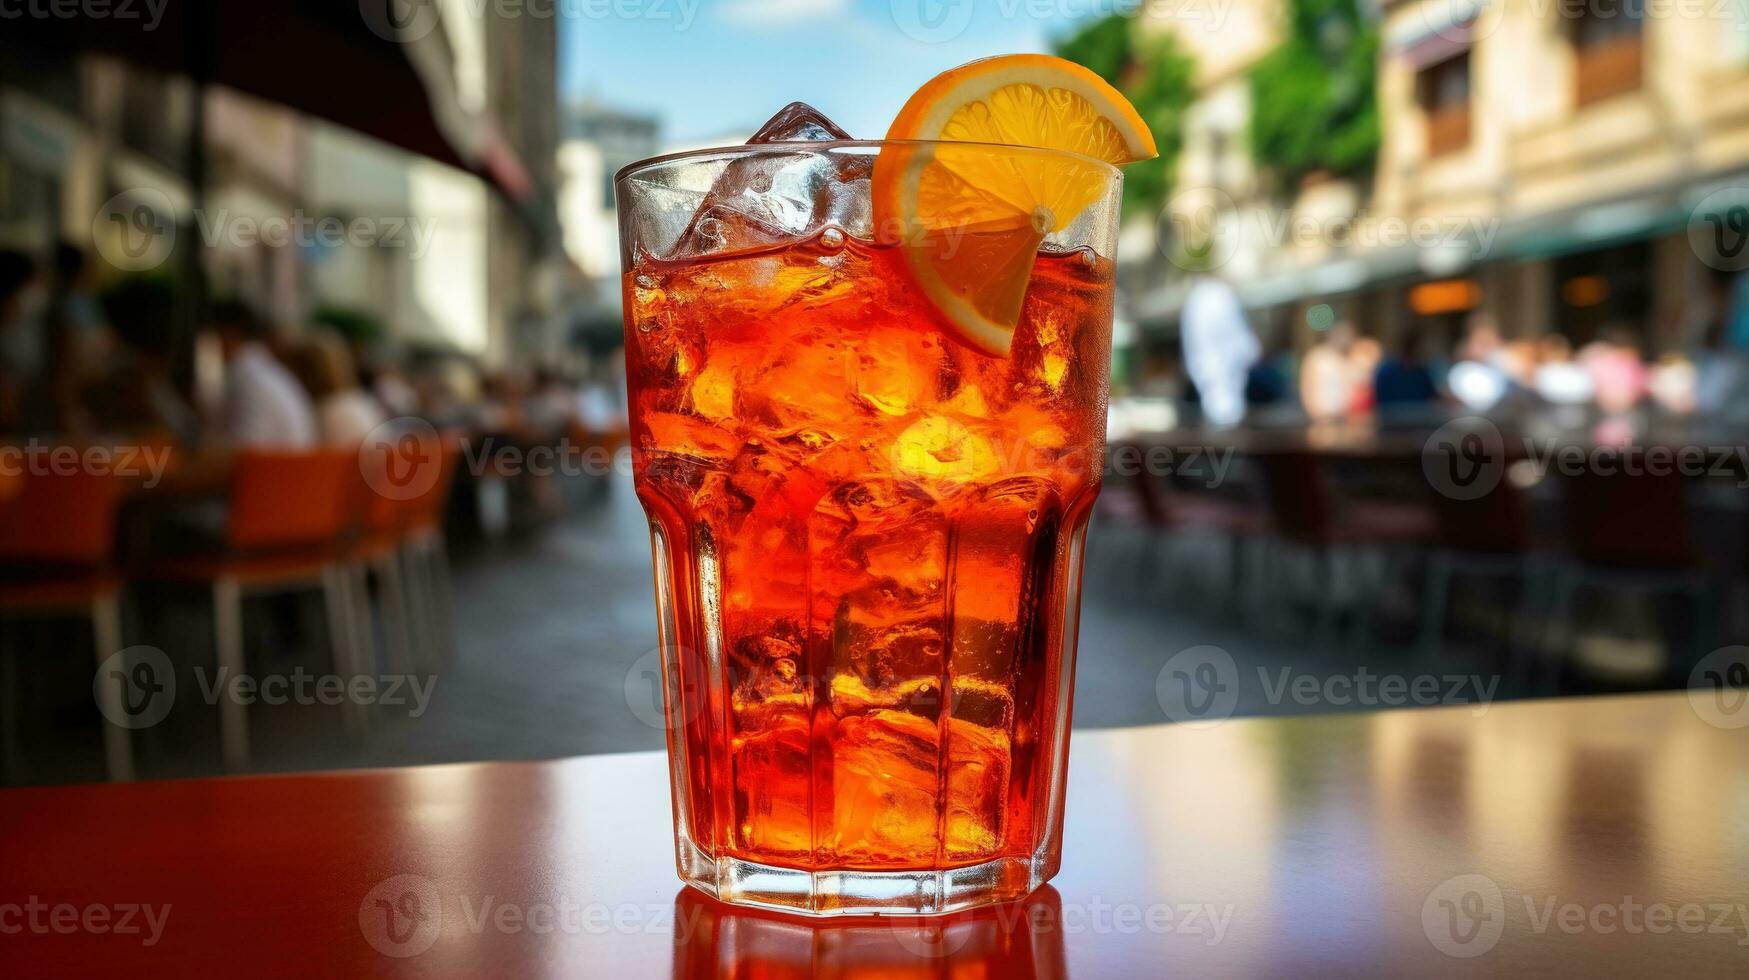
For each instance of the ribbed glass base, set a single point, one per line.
(829, 893)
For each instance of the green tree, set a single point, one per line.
(1314, 99)
(1156, 76)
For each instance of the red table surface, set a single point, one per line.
(1531, 838)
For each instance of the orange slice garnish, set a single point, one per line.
(969, 221)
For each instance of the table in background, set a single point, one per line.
(1322, 845)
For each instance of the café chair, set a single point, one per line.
(377, 552)
(1308, 516)
(1487, 537)
(1630, 533)
(1176, 513)
(402, 545)
(290, 528)
(57, 542)
(425, 557)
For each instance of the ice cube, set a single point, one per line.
(780, 198)
(798, 122)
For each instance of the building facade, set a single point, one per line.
(598, 141)
(1585, 138)
(1556, 166)
(437, 256)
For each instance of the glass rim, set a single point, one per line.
(793, 146)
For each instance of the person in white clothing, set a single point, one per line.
(264, 406)
(345, 412)
(1219, 349)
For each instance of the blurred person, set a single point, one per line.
(552, 405)
(23, 301)
(1403, 379)
(1671, 382)
(1481, 341)
(1560, 380)
(345, 412)
(392, 391)
(1364, 357)
(141, 394)
(1721, 384)
(1270, 380)
(601, 397)
(1618, 373)
(264, 405)
(503, 403)
(1478, 378)
(449, 391)
(1327, 374)
(1219, 349)
(76, 334)
(1735, 329)
(1518, 359)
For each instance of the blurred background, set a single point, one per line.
(1430, 380)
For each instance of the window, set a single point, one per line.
(1608, 50)
(1610, 289)
(1445, 102)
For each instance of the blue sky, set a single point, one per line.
(709, 68)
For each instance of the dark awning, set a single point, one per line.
(340, 60)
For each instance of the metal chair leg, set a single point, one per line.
(1555, 653)
(393, 591)
(364, 650)
(419, 607)
(364, 659)
(1369, 591)
(443, 623)
(343, 638)
(1533, 602)
(1325, 569)
(106, 635)
(228, 625)
(1434, 604)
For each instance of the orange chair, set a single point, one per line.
(426, 556)
(292, 525)
(57, 535)
(403, 545)
(386, 515)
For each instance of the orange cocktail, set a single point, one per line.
(867, 527)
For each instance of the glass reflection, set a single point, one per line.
(1017, 941)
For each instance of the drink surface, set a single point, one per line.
(868, 550)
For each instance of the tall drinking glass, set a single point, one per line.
(867, 532)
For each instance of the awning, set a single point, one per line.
(1438, 30)
(323, 58)
(1601, 224)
